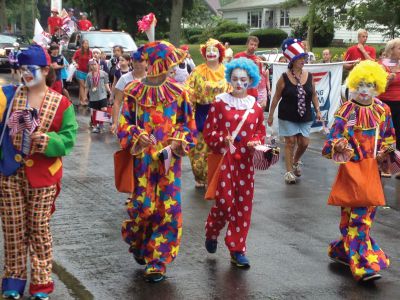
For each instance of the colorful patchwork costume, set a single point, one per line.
(356, 124)
(204, 84)
(235, 182)
(30, 183)
(164, 113)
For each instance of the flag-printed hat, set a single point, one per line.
(34, 55)
(293, 49)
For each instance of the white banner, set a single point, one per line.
(327, 79)
(40, 36)
(56, 4)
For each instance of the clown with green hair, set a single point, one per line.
(361, 138)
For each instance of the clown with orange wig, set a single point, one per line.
(205, 82)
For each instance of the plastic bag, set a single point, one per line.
(71, 72)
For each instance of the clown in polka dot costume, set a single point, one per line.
(234, 192)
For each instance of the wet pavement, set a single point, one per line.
(287, 244)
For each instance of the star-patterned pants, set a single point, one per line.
(233, 203)
(356, 247)
(155, 226)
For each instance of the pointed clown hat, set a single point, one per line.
(161, 56)
(215, 43)
(293, 49)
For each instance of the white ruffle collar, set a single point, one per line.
(237, 103)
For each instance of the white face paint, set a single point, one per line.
(240, 81)
(31, 75)
(212, 53)
(365, 91)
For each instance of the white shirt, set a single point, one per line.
(124, 80)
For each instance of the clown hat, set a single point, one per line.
(293, 49)
(34, 55)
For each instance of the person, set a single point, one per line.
(156, 120)
(391, 96)
(359, 52)
(264, 88)
(96, 52)
(297, 91)
(326, 56)
(30, 173)
(206, 81)
(228, 53)
(81, 59)
(283, 59)
(64, 77)
(234, 126)
(57, 63)
(183, 70)
(252, 45)
(124, 68)
(71, 15)
(13, 59)
(138, 73)
(84, 24)
(361, 136)
(98, 87)
(114, 61)
(310, 55)
(54, 22)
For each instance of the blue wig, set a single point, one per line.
(245, 64)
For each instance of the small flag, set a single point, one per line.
(153, 139)
(166, 155)
(395, 162)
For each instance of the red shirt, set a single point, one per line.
(54, 24)
(392, 92)
(251, 91)
(84, 25)
(353, 53)
(82, 60)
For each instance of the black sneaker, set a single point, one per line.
(211, 246)
(154, 277)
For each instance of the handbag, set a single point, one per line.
(358, 184)
(123, 171)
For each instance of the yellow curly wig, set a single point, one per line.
(369, 72)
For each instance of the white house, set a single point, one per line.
(271, 14)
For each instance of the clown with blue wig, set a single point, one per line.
(234, 126)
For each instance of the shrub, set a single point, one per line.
(222, 26)
(234, 38)
(270, 37)
(195, 39)
(189, 32)
(323, 33)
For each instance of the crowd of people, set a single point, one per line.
(164, 108)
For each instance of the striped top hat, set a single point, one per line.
(293, 49)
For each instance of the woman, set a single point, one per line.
(297, 91)
(234, 126)
(30, 173)
(206, 81)
(156, 126)
(81, 59)
(391, 96)
(361, 137)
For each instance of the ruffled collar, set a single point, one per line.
(146, 95)
(366, 117)
(237, 103)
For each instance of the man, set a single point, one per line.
(228, 52)
(54, 22)
(359, 52)
(84, 24)
(326, 56)
(252, 45)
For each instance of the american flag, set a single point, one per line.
(317, 76)
(166, 155)
(103, 116)
(351, 121)
(395, 162)
(153, 139)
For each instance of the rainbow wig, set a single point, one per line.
(369, 72)
(215, 43)
(245, 64)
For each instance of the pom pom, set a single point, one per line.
(237, 156)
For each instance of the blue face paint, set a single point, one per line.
(31, 75)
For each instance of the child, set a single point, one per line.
(97, 55)
(233, 127)
(124, 68)
(264, 89)
(57, 63)
(12, 57)
(97, 85)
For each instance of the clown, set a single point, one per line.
(205, 82)
(362, 135)
(156, 116)
(233, 127)
(37, 128)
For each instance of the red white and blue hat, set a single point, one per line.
(293, 49)
(34, 55)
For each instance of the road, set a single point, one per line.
(287, 244)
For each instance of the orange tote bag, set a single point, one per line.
(123, 171)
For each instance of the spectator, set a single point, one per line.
(71, 12)
(282, 59)
(54, 22)
(381, 54)
(183, 70)
(12, 58)
(57, 63)
(310, 55)
(114, 61)
(361, 51)
(84, 24)
(252, 45)
(326, 56)
(228, 53)
(81, 59)
(124, 68)
(264, 89)
(98, 57)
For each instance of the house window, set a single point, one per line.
(284, 17)
(254, 19)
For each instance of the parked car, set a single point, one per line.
(6, 45)
(104, 40)
(271, 55)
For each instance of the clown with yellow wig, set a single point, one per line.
(205, 82)
(361, 137)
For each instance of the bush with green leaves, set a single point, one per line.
(323, 33)
(222, 26)
(191, 31)
(270, 37)
(234, 38)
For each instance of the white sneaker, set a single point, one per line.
(289, 178)
(96, 129)
(297, 168)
